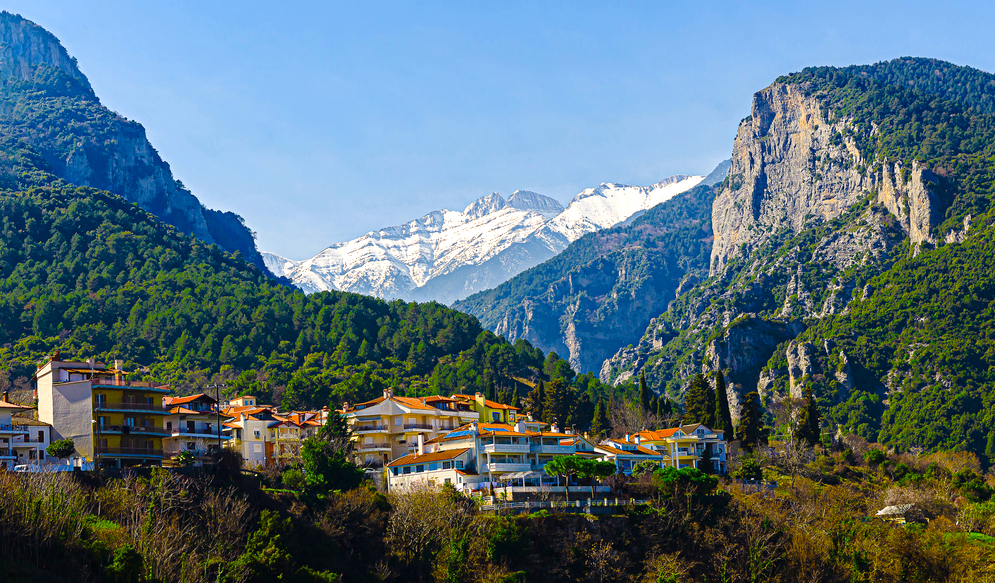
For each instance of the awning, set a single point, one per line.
(521, 475)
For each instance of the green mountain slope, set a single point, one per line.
(601, 291)
(858, 260)
(47, 104)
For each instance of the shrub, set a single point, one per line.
(749, 469)
(874, 457)
(293, 479)
(61, 448)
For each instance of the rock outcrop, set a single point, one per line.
(104, 150)
(908, 197)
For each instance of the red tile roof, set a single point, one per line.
(428, 457)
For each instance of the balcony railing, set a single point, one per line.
(506, 448)
(372, 446)
(195, 431)
(509, 467)
(553, 449)
(132, 429)
(369, 428)
(14, 428)
(112, 382)
(120, 406)
(114, 451)
(418, 426)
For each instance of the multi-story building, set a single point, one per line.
(388, 427)
(265, 436)
(489, 411)
(194, 425)
(22, 440)
(687, 445)
(112, 421)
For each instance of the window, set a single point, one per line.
(41, 454)
(407, 469)
(447, 465)
(447, 480)
(169, 426)
(393, 471)
(420, 469)
(398, 421)
(433, 467)
(459, 464)
(257, 448)
(41, 437)
(255, 434)
(101, 400)
(496, 415)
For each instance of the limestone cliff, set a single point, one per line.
(43, 92)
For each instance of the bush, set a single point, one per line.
(874, 457)
(749, 469)
(61, 448)
(293, 479)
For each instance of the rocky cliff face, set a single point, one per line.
(789, 164)
(911, 200)
(43, 90)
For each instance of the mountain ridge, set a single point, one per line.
(446, 255)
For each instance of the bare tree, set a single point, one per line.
(627, 418)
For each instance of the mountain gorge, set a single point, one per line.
(601, 291)
(850, 256)
(50, 115)
(448, 255)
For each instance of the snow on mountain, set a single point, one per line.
(447, 255)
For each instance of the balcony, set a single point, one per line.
(13, 428)
(129, 407)
(195, 432)
(365, 429)
(123, 384)
(128, 429)
(373, 447)
(128, 451)
(507, 448)
(552, 449)
(508, 467)
(418, 426)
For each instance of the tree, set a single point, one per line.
(644, 393)
(749, 469)
(560, 402)
(809, 429)
(563, 465)
(326, 467)
(690, 483)
(535, 401)
(723, 417)
(697, 405)
(750, 430)
(61, 448)
(184, 458)
(600, 425)
(594, 469)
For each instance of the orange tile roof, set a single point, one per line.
(640, 450)
(4, 404)
(428, 457)
(187, 399)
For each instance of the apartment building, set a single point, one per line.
(388, 427)
(489, 411)
(22, 439)
(687, 445)
(265, 436)
(113, 422)
(194, 425)
(491, 453)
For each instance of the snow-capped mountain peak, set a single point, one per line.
(447, 255)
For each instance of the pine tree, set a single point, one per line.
(559, 404)
(696, 405)
(711, 407)
(600, 426)
(750, 430)
(490, 394)
(535, 401)
(514, 397)
(723, 417)
(644, 393)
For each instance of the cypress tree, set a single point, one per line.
(808, 428)
(723, 417)
(696, 403)
(750, 430)
(534, 402)
(644, 393)
(600, 425)
(711, 411)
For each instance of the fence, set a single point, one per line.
(555, 505)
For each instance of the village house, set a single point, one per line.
(687, 445)
(264, 436)
(194, 425)
(22, 439)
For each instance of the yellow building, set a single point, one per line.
(490, 411)
(112, 421)
(686, 446)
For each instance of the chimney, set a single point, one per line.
(553, 428)
(627, 437)
(475, 428)
(639, 439)
(6, 395)
(421, 444)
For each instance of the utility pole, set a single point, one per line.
(217, 409)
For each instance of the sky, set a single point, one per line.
(321, 121)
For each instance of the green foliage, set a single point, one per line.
(750, 430)
(327, 468)
(723, 416)
(61, 448)
(809, 429)
(874, 457)
(185, 458)
(507, 540)
(690, 483)
(749, 469)
(600, 425)
(293, 479)
(699, 402)
(127, 566)
(268, 556)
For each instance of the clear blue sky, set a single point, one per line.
(319, 121)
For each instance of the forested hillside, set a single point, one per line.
(885, 308)
(86, 272)
(601, 291)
